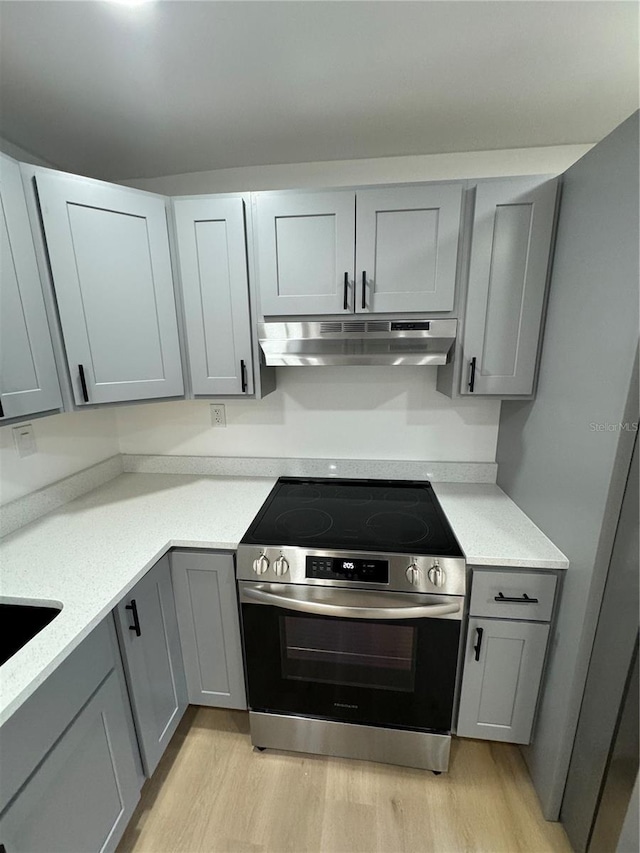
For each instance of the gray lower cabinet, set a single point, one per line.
(207, 607)
(69, 777)
(28, 375)
(150, 644)
(108, 248)
(511, 241)
(510, 619)
(502, 672)
(83, 794)
(212, 253)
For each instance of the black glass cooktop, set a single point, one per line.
(393, 516)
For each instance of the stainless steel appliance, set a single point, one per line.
(352, 595)
(367, 342)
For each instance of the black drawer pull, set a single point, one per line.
(83, 383)
(243, 375)
(523, 600)
(472, 374)
(345, 303)
(364, 290)
(478, 645)
(134, 612)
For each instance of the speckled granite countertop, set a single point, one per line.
(493, 531)
(88, 554)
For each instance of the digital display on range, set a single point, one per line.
(348, 569)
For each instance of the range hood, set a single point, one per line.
(370, 342)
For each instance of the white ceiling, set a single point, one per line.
(180, 86)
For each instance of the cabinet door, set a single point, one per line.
(305, 252)
(407, 248)
(501, 679)
(83, 794)
(207, 608)
(109, 253)
(28, 376)
(511, 243)
(148, 632)
(213, 269)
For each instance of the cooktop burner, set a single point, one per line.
(363, 515)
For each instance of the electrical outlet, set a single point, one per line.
(24, 440)
(218, 416)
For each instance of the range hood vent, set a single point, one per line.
(368, 342)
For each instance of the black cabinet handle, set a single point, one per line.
(134, 612)
(1, 416)
(472, 374)
(83, 382)
(478, 645)
(345, 303)
(364, 289)
(243, 375)
(523, 600)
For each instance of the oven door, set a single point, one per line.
(377, 658)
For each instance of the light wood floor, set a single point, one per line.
(213, 792)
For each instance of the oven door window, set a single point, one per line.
(351, 653)
(396, 673)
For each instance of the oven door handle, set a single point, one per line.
(324, 608)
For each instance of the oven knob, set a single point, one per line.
(281, 566)
(436, 574)
(413, 574)
(261, 565)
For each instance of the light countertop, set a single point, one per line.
(89, 553)
(493, 531)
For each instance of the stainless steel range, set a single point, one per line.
(352, 595)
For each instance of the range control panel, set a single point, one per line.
(347, 569)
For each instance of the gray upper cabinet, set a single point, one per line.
(148, 632)
(389, 250)
(28, 376)
(109, 252)
(207, 607)
(510, 252)
(407, 248)
(305, 252)
(213, 270)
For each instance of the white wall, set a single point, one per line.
(24, 156)
(325, 412)
(551, 160)
(66, 444)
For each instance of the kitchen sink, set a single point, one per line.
(20, 623)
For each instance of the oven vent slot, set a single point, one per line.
(354, 326)
(330, 328)
(378, 326)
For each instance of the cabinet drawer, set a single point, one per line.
(488, 587)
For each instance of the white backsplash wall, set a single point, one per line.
(325, 412)
(66, 444)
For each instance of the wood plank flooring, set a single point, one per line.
(212, 792)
